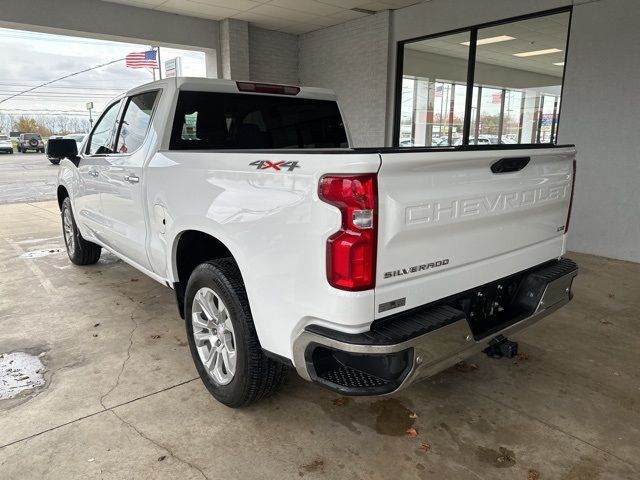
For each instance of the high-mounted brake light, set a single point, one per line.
(267, 88)
(573, 188)
(351, 251)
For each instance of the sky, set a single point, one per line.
(29, 58)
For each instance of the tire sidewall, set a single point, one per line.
(208, 275)
(66, 204)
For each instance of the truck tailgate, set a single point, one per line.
(452, 220)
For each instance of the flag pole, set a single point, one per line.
(159, 64)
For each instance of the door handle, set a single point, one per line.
(132, 178)
(94, 173)
(512, 164)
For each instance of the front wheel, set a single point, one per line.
(222, 337)
(80, 251)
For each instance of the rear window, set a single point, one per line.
(229, 121)
(29, 136)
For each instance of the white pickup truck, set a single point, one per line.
(364, 269)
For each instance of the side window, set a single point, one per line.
(135, 122)
(103, 135)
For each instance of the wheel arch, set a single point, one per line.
(192, 247)
(61, 194)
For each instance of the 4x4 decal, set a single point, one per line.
(279, 166)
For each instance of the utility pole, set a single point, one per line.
(90, 107)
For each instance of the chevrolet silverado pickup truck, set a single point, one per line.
(364, 269)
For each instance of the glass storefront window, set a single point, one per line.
(517, 72)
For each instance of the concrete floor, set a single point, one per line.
(123, 401)
(27, 177)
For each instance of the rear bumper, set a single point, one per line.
(424, 341)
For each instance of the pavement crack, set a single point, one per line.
(159, 445)
(128, 357)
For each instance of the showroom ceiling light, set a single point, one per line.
(559, 64)
(537, 52)
(487, 41)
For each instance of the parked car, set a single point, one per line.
(363, 269)
(30, 141)
(6, 146)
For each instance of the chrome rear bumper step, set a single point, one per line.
(421, 342)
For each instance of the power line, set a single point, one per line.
(41, 110)
(60, 78)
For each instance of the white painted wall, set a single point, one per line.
(601, 115)
(352, 59)
(273, 56)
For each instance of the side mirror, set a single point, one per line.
(62, 148)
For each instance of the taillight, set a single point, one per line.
(351, 251)
(573, 188)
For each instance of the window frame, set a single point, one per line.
(473, 38)
(95, 125)
(123, 112)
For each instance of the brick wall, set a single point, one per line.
(273, 56)
(352, 59)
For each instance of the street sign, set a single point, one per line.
(173, 67)
(89, 105)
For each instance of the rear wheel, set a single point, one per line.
(80, 251)
(55, 161)
(222, 337)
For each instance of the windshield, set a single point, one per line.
(207, 120)
(3, 138)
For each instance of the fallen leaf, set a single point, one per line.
(533, 474)
(155, 337)
(411, 432)
(134, 279)
(95, 335)
(161, 458)
(425, 447)
(612, 295)
(96, 325)
(522, 356)
(339, 402)
(604, 321)
(22, 377)
(413, 415)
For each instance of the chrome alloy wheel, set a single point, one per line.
(213, 335)
(67, 225)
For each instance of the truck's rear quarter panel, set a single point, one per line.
(273, 223)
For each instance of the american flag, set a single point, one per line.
(439, 89)
(148, 59)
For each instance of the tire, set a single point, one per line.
(55, 161)
(256, 376)
(80, 251)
